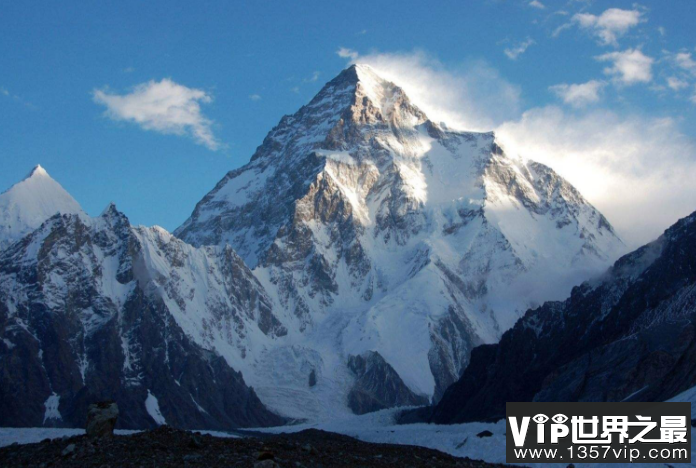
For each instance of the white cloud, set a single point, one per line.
(685, 62)
(472, 96)
(519, 49)
(610, 25)
(578, 95)
(629, 67)
(4, 92)
(255, 97)
(313, 78)
(676, 84)
(537, 4)
(164, 107)
(557, 32)
(344, 52)
(638, 171)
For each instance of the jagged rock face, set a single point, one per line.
(92, 309)
(372, 227)
(627, 336)
(377, 386)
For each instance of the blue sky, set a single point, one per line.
(601, 90)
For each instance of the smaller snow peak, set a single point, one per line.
(37, 171)
(30, 202)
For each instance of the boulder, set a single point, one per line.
(101, 419)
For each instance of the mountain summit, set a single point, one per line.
(384, 237)
(30, 202)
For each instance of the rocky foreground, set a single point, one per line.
(168, 447)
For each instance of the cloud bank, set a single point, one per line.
(162, 106)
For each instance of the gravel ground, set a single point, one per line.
(168, 447)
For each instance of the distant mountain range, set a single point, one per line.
(352, 265)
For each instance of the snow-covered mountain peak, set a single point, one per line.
(30, 202)
(376, 230)
(37, 171)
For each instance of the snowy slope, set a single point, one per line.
(30, 202)
(373, 228)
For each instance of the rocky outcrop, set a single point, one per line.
(377, 386)
(101, 419)
(628, 336)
